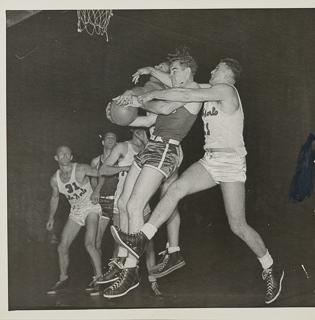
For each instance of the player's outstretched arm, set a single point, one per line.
(108, 168)
(217, 92)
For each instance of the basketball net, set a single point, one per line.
(94, 21)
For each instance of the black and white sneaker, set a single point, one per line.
(171, 262)
(135, 243)
(273, 276)
(113, 272)
(129, 279)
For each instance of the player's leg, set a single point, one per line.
(146, 185)
(173, 223)
(149, 180)
(115, 264)
(171, 259)
(102, 225)
(196, 178)
(234, 201)
(107, 204)
(116, 222)
(150, 262)
(70, 231)
(149, 251)
(91, 225)
(129, 184)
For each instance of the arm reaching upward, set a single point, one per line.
(160, 75)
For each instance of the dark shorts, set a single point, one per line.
(107, 204)
(162, 156)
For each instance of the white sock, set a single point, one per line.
(173, 249)
(122, 252)
(130, 262)
(149, 230)
(266, 261)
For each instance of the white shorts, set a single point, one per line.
(224, 166)
(79, 213)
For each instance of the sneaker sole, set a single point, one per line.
(93, 294)
(107, 281)
(55, 292)
(119, 241)
(166, 272)
(280, 287)
(122, 294)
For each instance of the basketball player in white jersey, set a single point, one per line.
(72, 179)
(124, 153)
(223, 163)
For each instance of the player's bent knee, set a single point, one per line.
(134, 206)
(238, 228)
(62, 249)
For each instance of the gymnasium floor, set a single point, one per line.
(220, 272)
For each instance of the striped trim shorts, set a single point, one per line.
(162, 156)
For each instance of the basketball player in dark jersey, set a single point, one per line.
(171, 258)
(158, 160)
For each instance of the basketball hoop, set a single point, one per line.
(94, 21)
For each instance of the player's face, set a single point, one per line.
(110, 140)
(178, 75)
(164, 67)
(218, 74)
(64, 155)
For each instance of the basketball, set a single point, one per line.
(122, 115)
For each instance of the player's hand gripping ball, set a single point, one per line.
(120, 114)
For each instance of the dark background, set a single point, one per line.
(59, 82)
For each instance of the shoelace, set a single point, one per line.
(166, 258)
(267, 275)
(119, 281)
(111, 264)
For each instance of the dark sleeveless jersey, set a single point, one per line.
(175, 125)
(110, 185)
